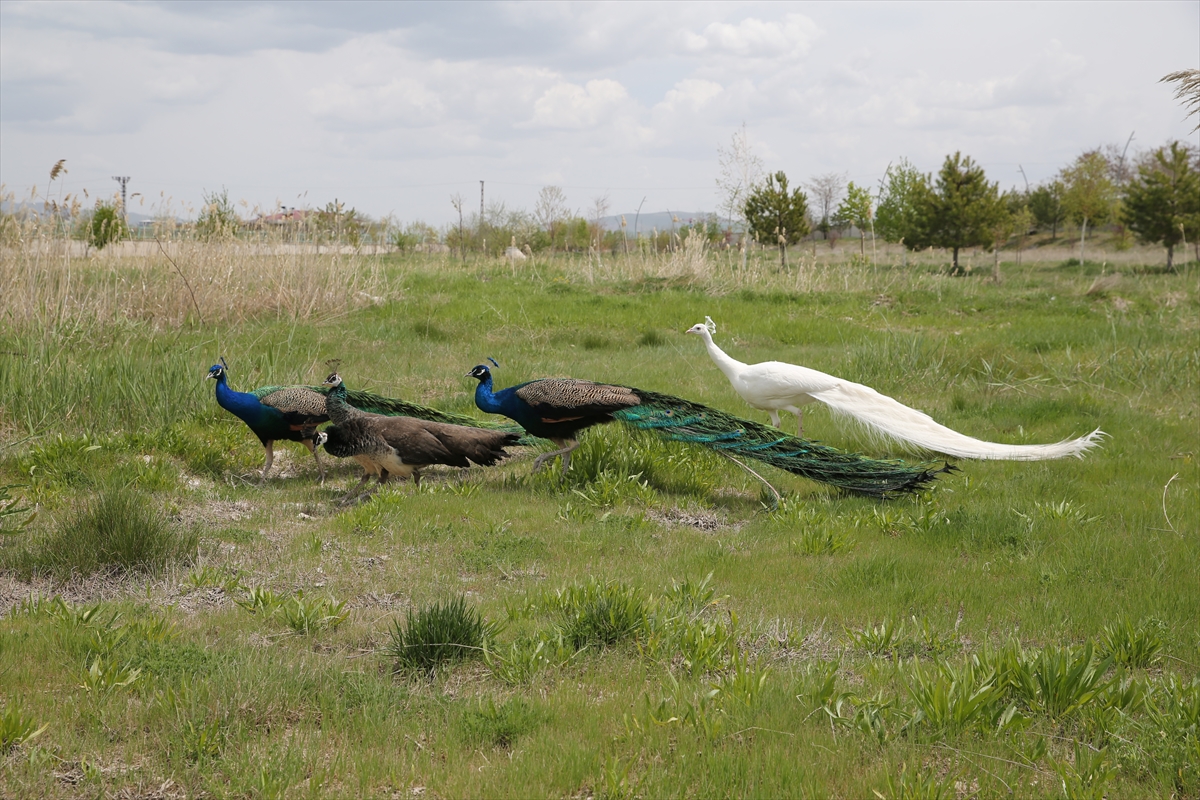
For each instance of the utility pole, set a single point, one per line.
(123, 179)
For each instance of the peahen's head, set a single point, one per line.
(705, 329)
(480, 373)
(334, 380)
(320, 438)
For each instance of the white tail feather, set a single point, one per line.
(892, 419)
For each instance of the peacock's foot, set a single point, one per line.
(541, 460)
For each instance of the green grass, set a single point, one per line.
(1020, 628)
(117, 530)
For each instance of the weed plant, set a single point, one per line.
(117, 531)
(439, 634)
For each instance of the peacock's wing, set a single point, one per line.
(393, 407)
(684, 421)
(301, 407)
(554, 395)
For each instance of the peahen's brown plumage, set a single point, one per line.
(403, 446)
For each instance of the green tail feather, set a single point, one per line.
(392, 407)
(680, 420)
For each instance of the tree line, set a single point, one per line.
(1156, 198)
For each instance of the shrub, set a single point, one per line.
(117, 530)
(500, 725)
(1131, 645)
(108, 225)
(440, 633)
(16, 728)
(602, 613)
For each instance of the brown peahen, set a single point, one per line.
(403, 446)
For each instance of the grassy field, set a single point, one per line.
(651, 625)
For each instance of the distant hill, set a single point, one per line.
(661, 220)
(36, 209)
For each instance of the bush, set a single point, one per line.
(108, 225)
(117, 530)
(441, 633)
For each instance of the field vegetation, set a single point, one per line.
(655, 623)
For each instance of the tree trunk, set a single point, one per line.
(954, 270)
(1170, 258)
(782, 256)
(862, 243)
(996, 265)
(1082, 238)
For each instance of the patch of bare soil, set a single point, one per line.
(700, 520)
(216, 513)
(77, 591)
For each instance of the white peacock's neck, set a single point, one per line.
(730, 366)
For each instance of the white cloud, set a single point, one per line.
(790, 37)
(567, 105)
(396, 107)
(690, 95)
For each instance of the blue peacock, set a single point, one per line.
(559, 408)
(292, 413)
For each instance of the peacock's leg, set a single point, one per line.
(269, 446)
(354, 492)
(566, 457)
(416, 473)
(774, 417)
(799, 423)
(565, 448)
(313, 449)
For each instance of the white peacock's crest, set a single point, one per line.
(710, 325)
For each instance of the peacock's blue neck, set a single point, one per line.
(485, 398)
(242, 405)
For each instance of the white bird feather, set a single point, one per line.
(775, 386)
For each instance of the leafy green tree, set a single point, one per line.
(1162, 203)
(855, 209)
(336, 223)
(962, 210)
(1089, 195)
(217, 218)
(775, 214)
(1046, 205)
(108, 225)
(900, 201)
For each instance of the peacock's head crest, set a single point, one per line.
(480, 373)
(217, 371)
(701, 328)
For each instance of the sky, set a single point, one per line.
(394, 108)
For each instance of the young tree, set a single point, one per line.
(1021, 219)
(827, 191)
(599, 212)
(775, 214)
(901, 196)
(1088, 193)
(961, 211)
(1163, 202)
(107, 225)
(740, 171)
(1045, 203)
(855, 210)
(218, 218)
(551, 211)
